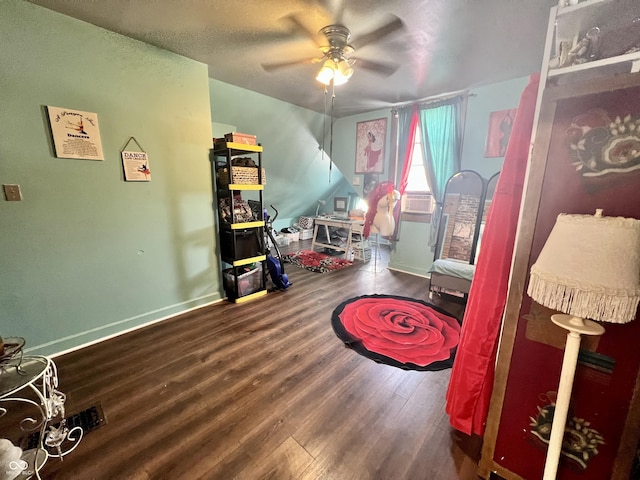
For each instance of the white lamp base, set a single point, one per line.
(576, 327)
(577, 324)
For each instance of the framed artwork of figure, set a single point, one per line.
(499, 131)
(370, 146)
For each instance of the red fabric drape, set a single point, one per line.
(406, 167)
(472, 375)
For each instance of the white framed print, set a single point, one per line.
(76, 134)
(136, 166)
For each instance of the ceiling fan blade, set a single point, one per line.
(301, 27)
(379, 68)
(379, 33)
(272, 67)
(335, 9)
(339, 13)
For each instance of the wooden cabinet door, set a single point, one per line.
(586, 155)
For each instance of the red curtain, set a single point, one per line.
(472, 375)
(406, 168)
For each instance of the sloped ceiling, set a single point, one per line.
(444, 45)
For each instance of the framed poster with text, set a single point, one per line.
(136, 166)
(75, 133)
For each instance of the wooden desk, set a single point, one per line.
(353, 226)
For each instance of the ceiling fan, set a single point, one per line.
(338, 52)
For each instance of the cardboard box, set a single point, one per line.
(242, 138)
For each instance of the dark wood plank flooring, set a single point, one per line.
(263, 390)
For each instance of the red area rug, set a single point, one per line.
(316, 261)
(399, 331)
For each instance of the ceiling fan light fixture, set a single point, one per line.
(340, 72)
(326, 72)
(344, 70)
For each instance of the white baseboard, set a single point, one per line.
(92, 336)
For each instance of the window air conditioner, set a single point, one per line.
(417, 203)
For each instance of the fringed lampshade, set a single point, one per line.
(589, 268)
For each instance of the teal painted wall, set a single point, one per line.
(297, 171)
(483, 101)
(412, 252)
(345, 143)
(85, 254)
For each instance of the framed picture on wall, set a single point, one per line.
(75, 133)
(499, 131)
(370, 147)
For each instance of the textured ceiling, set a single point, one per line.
(445, 45)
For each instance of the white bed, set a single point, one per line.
(451, 277)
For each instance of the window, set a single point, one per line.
(417, 176)
(417, 198)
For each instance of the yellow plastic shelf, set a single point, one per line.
(240, 226)
(244, 186)
(247, 261)
(237, 146)
(251, 296)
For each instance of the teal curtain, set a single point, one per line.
(441, 126)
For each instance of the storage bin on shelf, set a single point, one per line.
(242, 211)
(247, 243)
(240, 176)
(248, 282)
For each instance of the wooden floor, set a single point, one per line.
(262, 390)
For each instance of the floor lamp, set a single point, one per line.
(589, 267)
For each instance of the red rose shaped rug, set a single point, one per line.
(399, 331)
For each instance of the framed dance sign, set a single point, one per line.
(76, 134)
(370, 147)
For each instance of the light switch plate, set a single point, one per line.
(12, 193)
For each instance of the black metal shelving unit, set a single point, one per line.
(241, 243)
